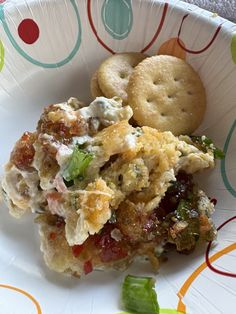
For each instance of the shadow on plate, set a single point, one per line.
(177, 262)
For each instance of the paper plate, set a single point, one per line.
(48, 51)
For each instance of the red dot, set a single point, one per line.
(1, 1)
(28, 31)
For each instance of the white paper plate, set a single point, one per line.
(48, 51)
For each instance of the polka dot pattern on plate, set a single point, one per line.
(172, 48)
(111, 11)
(28, 31)
(233, 48)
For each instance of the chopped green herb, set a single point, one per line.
(204, 143)
(218, 153)
(77, 165)
(183, 209)
(186, 238)
(139, 296)
(206, 140)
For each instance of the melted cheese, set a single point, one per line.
(137, 163)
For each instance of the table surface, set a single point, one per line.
(225, 8)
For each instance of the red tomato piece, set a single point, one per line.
(111, 249)
(88, 267)
(77, 249)
(23, 152)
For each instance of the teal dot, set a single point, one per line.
(233, 48)
(117, 17)
(1, 12)
(224, 173)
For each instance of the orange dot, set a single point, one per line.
(171, 47)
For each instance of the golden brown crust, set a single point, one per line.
(114, 138)
(90, 211)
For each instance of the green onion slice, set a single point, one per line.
(139, 295)
(77, 165)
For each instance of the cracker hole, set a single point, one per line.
(163, 114)
(123, 75)
(149, 100)
(155, 83)
(183, 110)
(189, 92)
(176, 79)
(170, 96)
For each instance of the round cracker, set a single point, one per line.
(167, 94)
(114, 74)
(94, 86)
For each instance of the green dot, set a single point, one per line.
(1, 55)
(162, 311)
(169, 311)
(233, 48)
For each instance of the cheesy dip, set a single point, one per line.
(105, 192)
